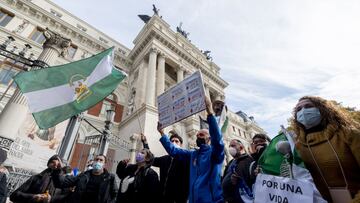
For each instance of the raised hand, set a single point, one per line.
(160, 128)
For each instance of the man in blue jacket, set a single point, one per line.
(205, 163)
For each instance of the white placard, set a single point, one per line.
(270, 188)
(181, 101)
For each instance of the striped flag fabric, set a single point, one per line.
(273, 161)
(56, 93)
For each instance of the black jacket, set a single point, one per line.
(3, 188)
(108, 188)
(38, 184)
(243, 167)
(174, 178)
(145, 188)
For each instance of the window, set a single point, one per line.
(5, 17)
(106, 105)
(71, 51)
(38, 36)
(55, 13)
(6, 74)
(103, 40)
(81, 28)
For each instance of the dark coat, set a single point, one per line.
(145, 188)
(108, 188)
(243, 167)
(174, 178)
(3, 188)
(38, 184)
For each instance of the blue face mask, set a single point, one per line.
(97, 166)
(309, 117)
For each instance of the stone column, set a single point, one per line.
(134, 141)
(141, 84)
(180, 74)
(160, 82)
(16, 110)
(207, 90)
(151, 74)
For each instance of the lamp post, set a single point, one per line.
(104, 144)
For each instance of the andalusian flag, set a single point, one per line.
(55, 94)
(273, 162)
(223, 120)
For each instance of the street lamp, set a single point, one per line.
(104, 145)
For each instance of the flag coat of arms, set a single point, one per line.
(56, 93)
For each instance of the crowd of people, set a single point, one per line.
(326, 138)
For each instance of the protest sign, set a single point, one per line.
(270, 188)
(181, 101)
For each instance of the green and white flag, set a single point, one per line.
(56, 93)
(272, 162)
(223, 120)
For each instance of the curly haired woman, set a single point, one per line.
(329, 143)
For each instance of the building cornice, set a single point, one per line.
(82, 39)
(193, 56)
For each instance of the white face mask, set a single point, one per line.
(232, 151)
(309, 117)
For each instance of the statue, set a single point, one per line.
(156, 11)
(181, 31)
(144, 18)
(131, 101)
(207, 54)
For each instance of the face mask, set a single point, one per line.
(200, 141)
(309, 117)
(97, 166)
(140, 157)
(232, 151)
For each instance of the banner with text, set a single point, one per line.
(270, 188)
(31, 147)
(181, 101)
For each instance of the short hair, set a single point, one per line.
(176, 136)
(102, 156)
(261, 136)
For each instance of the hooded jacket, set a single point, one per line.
(205, 166)
(38, 184)
(346, 143)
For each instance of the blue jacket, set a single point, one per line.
(205, 166)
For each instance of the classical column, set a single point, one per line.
(180, 74)
(134, 141)
(151, 74)
(207, 90)
(16, 110)
(160, 82)
(141, 84)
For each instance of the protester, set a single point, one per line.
(205, 163)
(238, 174)
(40, 187)
(329, 143)
(89, 165)
(93, 186)
(174, 174)
(258, 145)
(139, 182)
(3, 177)
(3, 184)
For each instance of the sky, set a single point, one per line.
(270, 52)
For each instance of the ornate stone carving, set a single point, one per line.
(21, 27)
(57, 42)
(131, 101)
